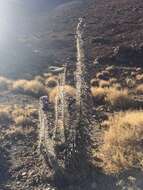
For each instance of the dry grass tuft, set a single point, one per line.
(94, 82)
(55, 92)
(110, 69)
(104, 75)
(23, 116)
(113, 81)
(51, 82)
(98, 93)
(5, 84)
(23, 121)
(104, 84)
(5, 114)
(139, 89)
(47, 75)
(139, 77)
(117, 86)
(130, 83)
(122, 143)
(18, 115)
(32, 87)
(118, 98)
(40, 79)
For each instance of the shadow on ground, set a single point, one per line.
(4, 167)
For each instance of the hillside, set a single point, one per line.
(43, 33)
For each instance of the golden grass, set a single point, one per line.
(55, 92)
(23, 121)
(5, 84)
(130, 83)
(47, 75)
(110, 68)
(39, 78)
(51, 82)
(5, 114)
(114, 97)
(117, 86)
(122, 142)
(32, 87)
(139, 77)
(104, 75)
(98, 93)
(113, 81)
(118, 98)
(139, 89)
(104, 84)
(19, 85)
(18, 115)
(94, 82)
(28, 110)
(23, 116)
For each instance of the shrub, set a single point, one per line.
(23, 121)
(94, 82)
(118, 98)
(55, 92)
(5, 84)
(117, 86)
(139, 77)
(104, 84)
(103, 75)
(139, 89)
(47, 75)
(32, 87)
(130, 83)
(51, 82)
(19, 85)
(122, 142)
(98, 94)
(24, 116)
(35, 88)
(29, 110)
(110, 69)
(39, 78)
(5, 115)
(113, 81)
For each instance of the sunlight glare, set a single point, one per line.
(5, 19)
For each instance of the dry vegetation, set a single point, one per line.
(104, 84)
(23, 116)
(55, 92)
(139, 78)
(32, 87)
(5, 84)
(5, 114)
(94, 82)
(113, 81)
(139, 89)
(51, 82)
(114, 97)
(122, 143)
(130, 83)
(122, 139)
(98, 93)
(37, 87)
(19, 116)
(119, 98)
